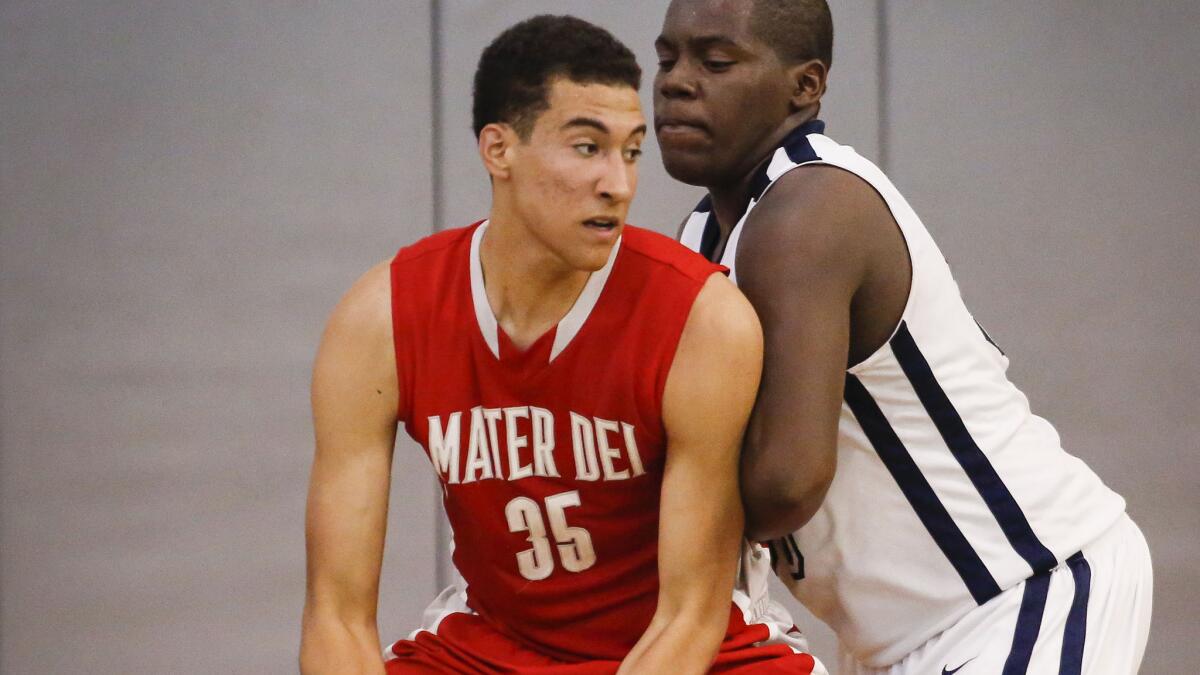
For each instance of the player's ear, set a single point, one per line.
(496, 142)
(808, 83)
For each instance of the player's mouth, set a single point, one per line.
(672, 130)
(601, 223)
(603, 229)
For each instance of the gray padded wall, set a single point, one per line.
(185, 191)
(1052, 150)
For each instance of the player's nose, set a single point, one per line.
(618, 181)
(675, 83)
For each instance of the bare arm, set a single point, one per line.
(707, 400)
(804, 256)
(354, 399)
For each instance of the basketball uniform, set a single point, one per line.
(551, 461)
(953, 505)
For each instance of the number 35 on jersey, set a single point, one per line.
(574, 544)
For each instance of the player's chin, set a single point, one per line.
(690, 167)
(594, 255)
(584, 263)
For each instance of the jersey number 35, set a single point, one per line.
(574, 543)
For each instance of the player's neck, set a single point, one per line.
(731, 198)
(729, 202)
(529, 289)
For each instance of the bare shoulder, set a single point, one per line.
(356, 351)
(365, 310)
(823, 192)
(723, 318)
(822, 213)
(818, 224)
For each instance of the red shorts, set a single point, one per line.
(465, 643)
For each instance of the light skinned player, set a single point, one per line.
(581, 388)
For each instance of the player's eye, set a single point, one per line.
(717, 65)
(587, 149)
(665, 64)
(632, 154)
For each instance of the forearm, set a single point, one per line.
(706, 402)
(330, 645)
(684, 643)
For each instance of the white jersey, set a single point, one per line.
(948, 489)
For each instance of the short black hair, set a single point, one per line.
(511, 82)
(798, 30)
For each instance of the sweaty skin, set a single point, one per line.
(820, 257)
(579, 164)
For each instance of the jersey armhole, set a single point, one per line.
(403, 410)
(671, 343)
(905, 237)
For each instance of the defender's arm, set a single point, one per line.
(354, 399)
(802, 258)
(706, 402)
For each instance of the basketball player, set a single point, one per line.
(917, 505)
(581, 388)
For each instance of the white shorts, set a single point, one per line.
(1090, 615)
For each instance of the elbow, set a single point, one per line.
(336, 654)
(780, 503)
(330, 644)
(702, 627)
(318, 640)
(312, 655)
(311, 662)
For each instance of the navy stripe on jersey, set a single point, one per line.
(919, 493)
(1076, 628)
(1029, 624)
(798, 149)
(791, 555)
(974, 462)
(710, 234)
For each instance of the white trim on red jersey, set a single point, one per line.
(568, 326)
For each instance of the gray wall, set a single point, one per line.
(186, 189)
(1053, 150)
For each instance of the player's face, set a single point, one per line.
(576, 175)
(721, 95)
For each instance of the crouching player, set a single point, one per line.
(581, 388)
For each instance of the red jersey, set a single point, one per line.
(551, 459)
